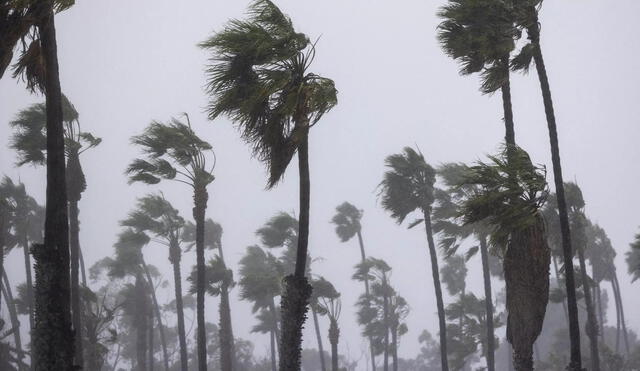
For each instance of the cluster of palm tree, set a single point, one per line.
(259, 76)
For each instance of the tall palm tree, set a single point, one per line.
(408, 186)
(447, 223)
(155, 217)
(219, 281)
(347, 221)
(526, 17)
(174, 152)
(29, 141)
(480, 35)
(259, 77)
(325, 301)
(511, 194)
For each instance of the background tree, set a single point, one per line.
(408, 186)
(347, 222)
(260, 78)
(328, 303)
(174, 152)
(511, 195)
(633, 259)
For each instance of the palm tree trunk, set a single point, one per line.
(591, 325)
(175, 256)
(156, 308)
(13, 315)
(615, 298)
(141, 323)
(574, 324)
(557, 271)
(334, 337)
(53, 339)
(151, 348)
(76, 305)
(488, 299)
(600, 314)
(622, 320)
(273, 350)
(297, 290)
(200, 198)
(366, 290)
(435, 271)
(319, 338)
(27, 270)
(227, 347)
(276, 324)
(82, 270)
(394, 347)
(509, 136)
(385, 309)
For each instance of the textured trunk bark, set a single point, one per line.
(526, 271)
(227, 346)
(488, 299)
(175, 257)
(53, 339)
(435, 271)
(156, 309)
(316, 324)
(297, 290)
(334, 338)
(591, 326)
(76, 305)
(13, 316)
(572, 305)
(200, 199)
(366, 290)
(141, 323)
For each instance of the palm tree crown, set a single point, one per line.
(347, 221)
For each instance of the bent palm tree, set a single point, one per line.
(174, 152)
(29, 141)
(408, 186)
(526, 17)
(347, 221)
(260, 78)
(511, 193)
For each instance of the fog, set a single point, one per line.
(124, 64)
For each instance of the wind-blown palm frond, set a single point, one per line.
(260, 276)
(155, 215)
(216, 276)
(281, 230)
(347, 221)
(407, 184)
(212, 234)
(633, 259)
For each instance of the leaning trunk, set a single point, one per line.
(505, 89)
(156, 309)
(200, 198)
(488, 300)
(175, 255)
(296, 287)
(574, 326)
(53, 338)
(334, 337)
(227, 348)
(621, 308)
(316, 324)
(526, 273)
(366, 290)
(13, 316)
(76, 305)
(438, 289)
(591, 325)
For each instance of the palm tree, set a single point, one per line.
(447, 223)
(260, 78)
(633, 258)
(174, 152)
(219, 281)
(155, 216)
(347, 221)
(526, 17)
(29, 140)
(480, 35)
(408, 186)
(511, 194)
(325, 300)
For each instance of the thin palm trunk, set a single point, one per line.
(177, 281)
(273, 350)
(76, 305)
(200, 198)
(622, 320)
(574, 325)
(591, 325)
(227, 351)
(82, 270)
(557, 271)
(394, 347)
(366, 290)
(617, 303)
(276, 324)
(150, 333)
(600, 314)
(316, 324)
(509, 136)
(27, 270)
(438, 289)
(488, 299)
(141, 323)
(156, 309)
(13, 316)
(297, 290)
(334, 338)
(385, 309)
(53, 339)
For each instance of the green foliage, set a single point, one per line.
(260, 277)
(347, 221)
(258, 76)
(407, 185)
(633, 258)
(155, 215)
(212, 234)
(279, 231)
(216, 276)
(454, 274)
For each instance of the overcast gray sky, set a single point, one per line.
(124, 63)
